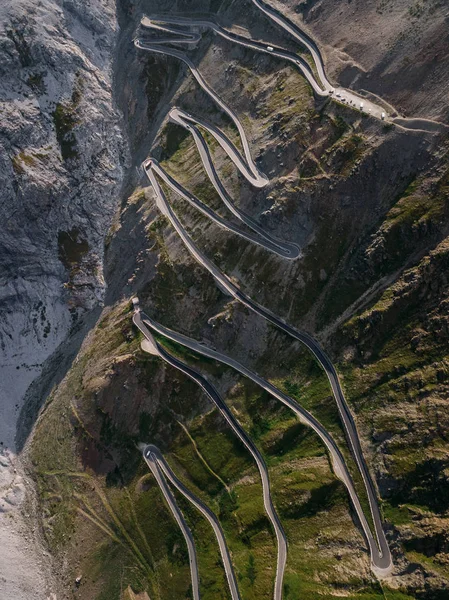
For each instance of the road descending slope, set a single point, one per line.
(152, 462)
(381, 561)
(300, 37)
(379, 550)
(259, 179)
(151, 346)
(157, 462)
(322, 88)
(267, 241)
(191, 38)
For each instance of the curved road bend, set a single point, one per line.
(152, 454)
(189, 122)
(424, 125)
(341, 94)
(300, 36)
(151, 346)
(298, 61)
(384, 557)
(304, 39)
(154, 47)
(155, 469)
(381, 562)
(225, 284)
(284, 249)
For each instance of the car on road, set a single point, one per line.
(270, 48)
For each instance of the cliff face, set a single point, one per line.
(61, 167)
(397, 49)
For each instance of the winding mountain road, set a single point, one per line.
(298, 61)
(245, 165)
(151, 346)
(381, 559)
(230, 288)
(299, 36)
(180, 36)
(259, 178)
(159, 465)
(285, 249)
(152, 461)
(379, 550)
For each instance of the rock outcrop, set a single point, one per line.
(61, 166)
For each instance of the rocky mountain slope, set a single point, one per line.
(61, 168)
(397, 49)
(366, 201)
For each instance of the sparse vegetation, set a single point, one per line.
(21, 161)
(17, 36)
(416, 10)
(66, 118)
(37, 83)
(71, 248)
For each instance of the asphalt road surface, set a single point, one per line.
(152, 462)
(321, 88)
(150, 345)
(380, 554)
(303, 65)
(381, 560)
(159, 465)
(263, 239)
(381, 557)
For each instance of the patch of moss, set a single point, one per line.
(37, 83)
(65, 119)
(21, 45)
(21, 159)
(71, 248)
